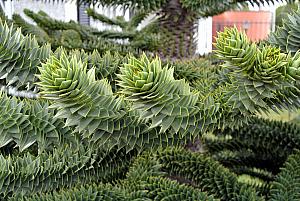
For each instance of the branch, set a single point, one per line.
(102, 18)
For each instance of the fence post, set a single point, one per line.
(204, 38)
(9, 8)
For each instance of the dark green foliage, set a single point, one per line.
(144, 39)
(206, 8)
(260, 134)
(41, 36)
(126, 26)
(287, 183)
(109, 34)
(261, 187)
(2, 14)
(82, 193)
(70, 39)
(164, 189)
(193, 70)
(261, 144)
(147, 181)
(144, 181)
(118, 21)
(49, 24)
(249, 159)
(65, 167)
(72, 35)
(253, 173)
(139, 4)
(102, 46)
(268, 144)
(207, 174)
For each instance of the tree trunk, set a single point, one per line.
(178, 28)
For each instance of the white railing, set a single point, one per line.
(204, 36)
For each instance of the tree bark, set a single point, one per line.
(178, 28)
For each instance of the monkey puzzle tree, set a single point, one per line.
(80, 140)
(178, 19)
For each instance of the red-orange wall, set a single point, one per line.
(260, 23)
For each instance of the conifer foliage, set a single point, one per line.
(113, 127)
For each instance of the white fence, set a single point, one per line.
(204, 43)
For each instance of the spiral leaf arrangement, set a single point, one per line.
(266, 64)
(286, 37)
(96, 113)
(96, 144)
(26, 123)
(263, 75)
(20, 56)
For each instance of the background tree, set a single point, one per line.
(70, 35)
(283, 11)
(178, 19)
(145, 38)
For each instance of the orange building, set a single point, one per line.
(257, 24)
